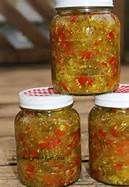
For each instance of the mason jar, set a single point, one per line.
(47, 131)
(85, 47)
(109, 138)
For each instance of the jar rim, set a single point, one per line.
(43, 98)
(117, 99)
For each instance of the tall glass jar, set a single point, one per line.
(85, 37)
(47, 131)
(109, 138)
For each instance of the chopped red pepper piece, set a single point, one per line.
(122, 148)
(118, 166)
(96, 43)
(52, 180)
(75, 139)
(64, 86)
(111, 36)
(21, 138)
(24, 153)
(85, 80)
(71, 174)
(114, 131)
(57, 164)
(113, 61)
(73, 18)
(101, 133)
(49, 143)
(86, 55)
(63, 34)
(109, 142)
(30, 170)
(33, 154)
(120, 151)
(66, 46)
(77, 161)
(59, 133)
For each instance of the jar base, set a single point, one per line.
(29, 185)
(108, 183)
(83, 94)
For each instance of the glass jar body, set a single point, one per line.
(85, 51)
(109, 145)
(48, 147)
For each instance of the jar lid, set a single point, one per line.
(117, 99)
(43, 98)
(83, 3)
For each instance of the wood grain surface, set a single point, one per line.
(13, 80)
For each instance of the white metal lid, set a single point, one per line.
(117, 99)
(84, 3)
(43, 98)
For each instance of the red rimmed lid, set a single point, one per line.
(117, 99)
(45, 91)
(123, 88)
(43, 98)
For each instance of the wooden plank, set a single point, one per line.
(5, 44)
(7, 151)
(11, 108)
(9, 178)
(33, 55)
(24, 55)
(15, 18)
(6, 127)
(44, 8)
(16, 80)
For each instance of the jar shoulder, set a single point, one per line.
(85, 19)
(106, 14)
(103, 111)
(65, 114)
(18, 116)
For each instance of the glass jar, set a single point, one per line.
(85, 47)
(47, 131)
(109, 138)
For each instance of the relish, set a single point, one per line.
(85, 51)
(109, 145)
(47, 141)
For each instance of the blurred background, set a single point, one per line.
(24, 30)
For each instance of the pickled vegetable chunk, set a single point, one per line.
(48, 147)
(109, 145)
(85, 52)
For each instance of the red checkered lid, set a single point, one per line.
(117, 99)
(43, 98)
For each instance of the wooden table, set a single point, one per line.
(12, 80)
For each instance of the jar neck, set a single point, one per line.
(112, 108)
(78, 10)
